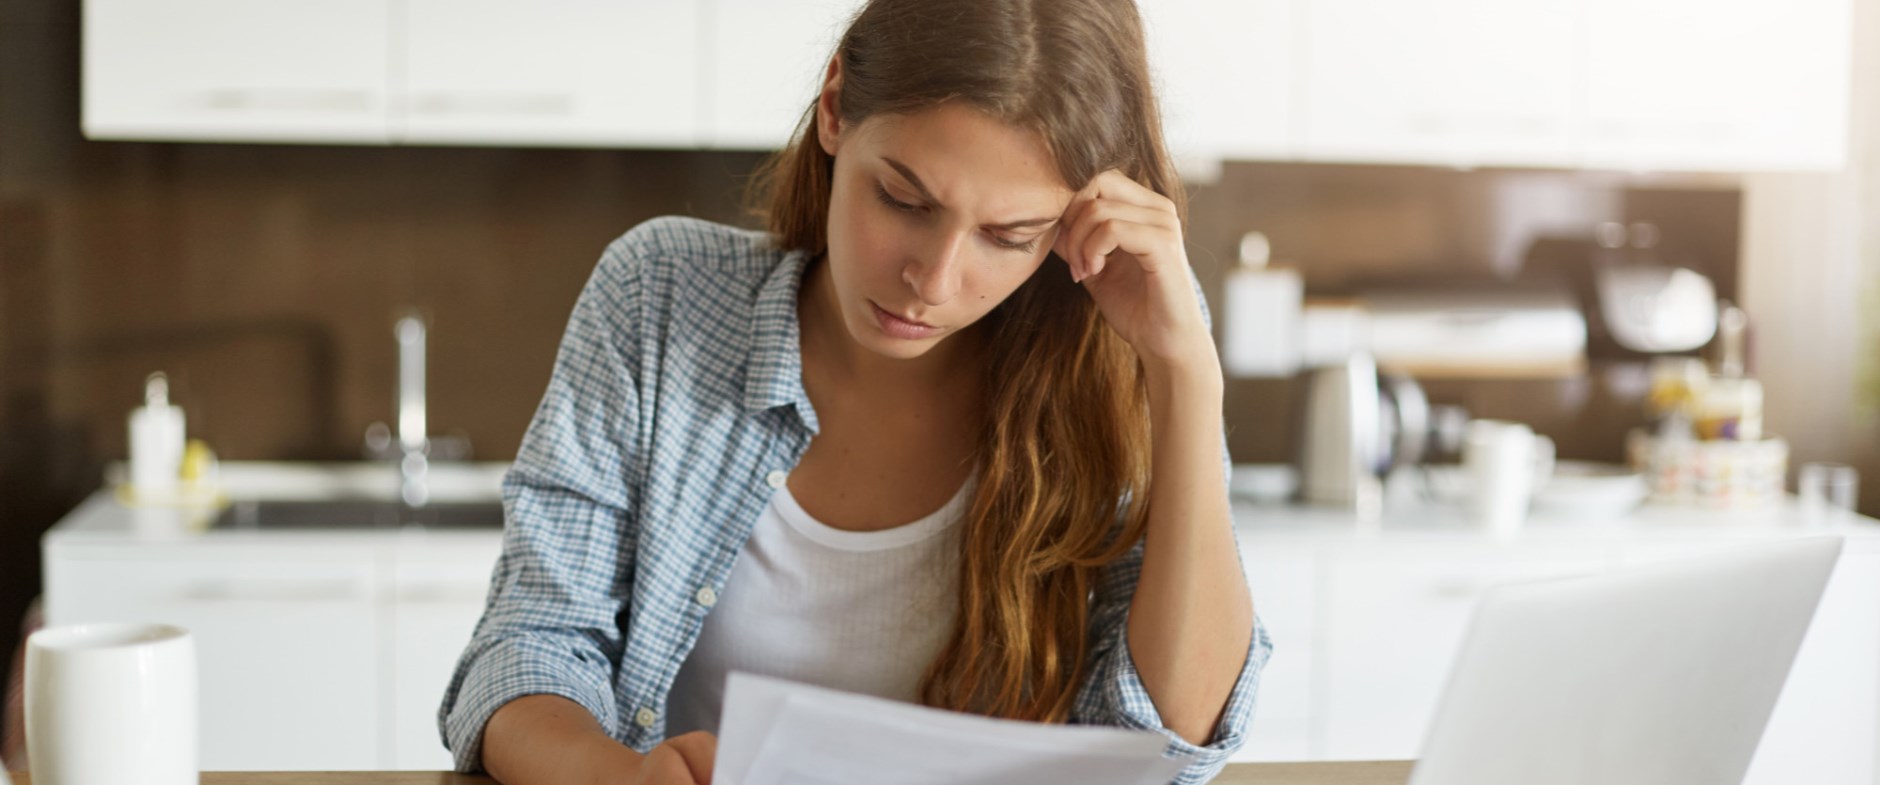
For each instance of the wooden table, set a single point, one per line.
(1337, 773)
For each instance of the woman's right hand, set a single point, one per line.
(681, 760)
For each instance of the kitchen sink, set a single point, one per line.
(359, 514)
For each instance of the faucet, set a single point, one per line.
(413, 447)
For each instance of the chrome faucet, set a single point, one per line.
(414, 464)
(412, 446)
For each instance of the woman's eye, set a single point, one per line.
(1026, 246)
(881, 194)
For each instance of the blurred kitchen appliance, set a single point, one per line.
(1504, 332)
(1343, 444)
(1645, 304)
(1261, 316)
(1360, 426)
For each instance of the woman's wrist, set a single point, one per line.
(1189, 376)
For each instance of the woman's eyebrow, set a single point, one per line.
(914, 180)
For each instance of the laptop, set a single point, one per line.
(1658, 674)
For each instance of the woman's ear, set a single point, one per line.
(829, 108)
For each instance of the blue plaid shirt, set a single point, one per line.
(675, 409)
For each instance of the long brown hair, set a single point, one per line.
(1063, 456)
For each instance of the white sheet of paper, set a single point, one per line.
(776, 732)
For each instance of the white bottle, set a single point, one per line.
(1261, 309)
(156, 434)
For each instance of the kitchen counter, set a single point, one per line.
(386, 612)
(1342, 773)
(104, 518)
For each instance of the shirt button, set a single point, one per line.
(707, 597)
(646, 718)
(775, 479)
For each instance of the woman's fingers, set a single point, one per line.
(1105, 226)
(1110, 198)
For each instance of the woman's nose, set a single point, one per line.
(937, 278)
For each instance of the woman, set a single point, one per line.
(901, 443)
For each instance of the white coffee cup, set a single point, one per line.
(108, 704)
(1506, 463)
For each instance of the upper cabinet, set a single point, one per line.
(236, 70)
(1458, 82)
(617, 73)
(765, 65)
(1224, 74)
(1717, 85)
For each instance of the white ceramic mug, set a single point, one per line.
(1506, 463)
(108, 704)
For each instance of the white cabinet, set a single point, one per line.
(766, 64)
(1627, 84)
(1395, 619)
(436, 596)
(287, 643)
(1224, 74)
(1458, 82)
(278, 71)
(327, 657)
(1704, 84)
(556, 72)
(1284, 581)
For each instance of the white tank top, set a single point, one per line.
(862, 612)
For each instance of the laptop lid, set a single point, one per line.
(1665, 673)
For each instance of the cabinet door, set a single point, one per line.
(437, 597)
(1451, 82)
(1703, 84)
(767, 59)
(282, 71)
(1224, 74)
(1284, 581)
(1396, 616)
(560, 72)
(287, 647)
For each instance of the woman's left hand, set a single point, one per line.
(1123, 242)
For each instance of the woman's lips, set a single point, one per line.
(898, 327)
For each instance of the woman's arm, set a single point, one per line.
(1191, 621)
(550, 739)
(1191, 624)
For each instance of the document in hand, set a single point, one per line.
(776, 732)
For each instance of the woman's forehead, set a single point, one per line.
(962, 155)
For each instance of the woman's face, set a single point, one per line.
(934, 217)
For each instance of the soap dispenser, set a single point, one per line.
(156, 441)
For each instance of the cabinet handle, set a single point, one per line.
(268, 591)
(493, 103)
(309, 100)
(1457, 588)
(442, 593)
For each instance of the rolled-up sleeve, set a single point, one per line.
(554, 616)
(1113, 693)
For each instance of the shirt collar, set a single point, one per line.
(775, 376)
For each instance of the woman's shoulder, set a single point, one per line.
(693, 246)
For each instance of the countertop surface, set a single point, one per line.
(1408, 515)
(1335, 773)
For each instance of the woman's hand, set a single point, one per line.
(681, 760)
(1124, 243)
